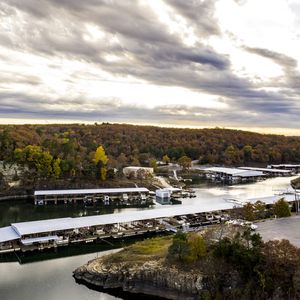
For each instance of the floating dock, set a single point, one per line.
(270, 171)
(51, 233)
(124, 196)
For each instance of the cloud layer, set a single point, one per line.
(174, 61)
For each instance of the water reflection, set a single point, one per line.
(207, 193)
(47, 280)
(52, 279)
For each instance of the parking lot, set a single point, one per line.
(284, 228)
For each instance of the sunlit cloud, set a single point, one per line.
(167, 62)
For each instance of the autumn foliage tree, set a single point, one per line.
(185, 162)
(73, 144)
(37, 160)
(100, 160)
(282, 209)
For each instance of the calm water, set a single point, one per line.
(52, 279)
(47, 280)
(19, 211)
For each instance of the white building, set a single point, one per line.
(134, 171)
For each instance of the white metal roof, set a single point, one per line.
(91, 191)
(42, 226)
(8, 234)
(234, 172)
(135, 168)
(265, 170)
(39, 239)
(285, 165)
(52, 225)
(171, 189)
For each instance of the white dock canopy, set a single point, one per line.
(266, 170)
(284, 166)
(235, 172)
(8, 234)
(17, 230)
(54, 225)
(91, 191)
(42, 239)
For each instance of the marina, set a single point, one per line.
(232, 175)
(53, 233)
(124, 196)
(56, 272)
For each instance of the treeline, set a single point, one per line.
(240, 267)
(72, 147)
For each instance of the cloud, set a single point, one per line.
(279, 58)
(115, 110)
(132, 41)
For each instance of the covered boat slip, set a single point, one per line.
(270, 171)
(232, 175)
(8, 234)
(125, 195)
(8, 239)
(64, 231)
(42, 239)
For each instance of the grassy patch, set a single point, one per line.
(150, 249)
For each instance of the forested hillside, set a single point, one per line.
(64, 150)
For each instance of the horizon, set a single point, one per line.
(169, 63)
(276, 131)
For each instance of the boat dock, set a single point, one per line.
(52, 233)
(232, 175)
(124, 196)
(270, 171)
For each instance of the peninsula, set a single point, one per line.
(223, 262)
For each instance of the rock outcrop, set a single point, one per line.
(151, 278)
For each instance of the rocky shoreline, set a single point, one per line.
(151, 278)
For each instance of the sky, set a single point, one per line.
(181, 63)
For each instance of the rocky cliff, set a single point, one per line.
(152, 278)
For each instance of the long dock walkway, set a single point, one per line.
(54, 232)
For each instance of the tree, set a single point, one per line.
(135, 162)
(248, 212)
(281, 262)
(56, 167)
(282, 209)
(231, 155)
(122, 160)
(247, 151)
(166, 159)
(100, 160)
(180, 248)
(36, 159)
(260, 210)
(197, 246)
(100, 156)
(185, 162)
(153, 164)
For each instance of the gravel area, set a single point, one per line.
(284, 228)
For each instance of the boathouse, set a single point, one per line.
(292, 167)
(270, 171)
(33, 235)
(125, 196)
(232, 175)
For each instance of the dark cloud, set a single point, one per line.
(114, 110)
(278, 58)
(147, 50)
(199, 13)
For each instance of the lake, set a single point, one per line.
(52, 279)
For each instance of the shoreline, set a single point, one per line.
(152, 279)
